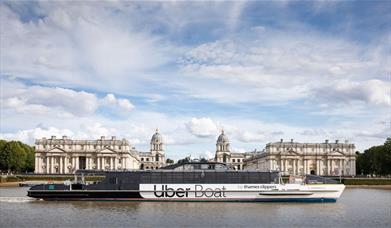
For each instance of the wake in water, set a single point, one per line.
(16, 199)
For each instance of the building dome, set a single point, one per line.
(157, 137)
(222, 137)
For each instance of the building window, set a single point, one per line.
(69, 147)
(147, 159)
(233, 160)
(119, 147)
(119, 161)
(157, 157)
(94, 146)
(82, 147)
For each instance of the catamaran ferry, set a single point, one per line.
(193, 181)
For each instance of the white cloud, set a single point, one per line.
(29, 136)
(271, 68)
(41, 100)
(246, 136)
(371, 91)
(122, 103)
(203, 127)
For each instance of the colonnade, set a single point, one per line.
(63, 165)
(299, 166)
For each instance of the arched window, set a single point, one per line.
(157, 157)
(224, 158)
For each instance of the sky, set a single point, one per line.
(262, 71)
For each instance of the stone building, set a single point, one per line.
(155, 158)
(65, 156)
(224, 154)
(293, 158)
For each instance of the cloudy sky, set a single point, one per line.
(261, 70)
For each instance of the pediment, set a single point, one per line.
(56, 150)
(107, 151)
(290, 153)
(335, 153)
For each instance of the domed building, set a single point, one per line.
(224, 154)
(65, 156)
(155, 158)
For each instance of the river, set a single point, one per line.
(357, 207)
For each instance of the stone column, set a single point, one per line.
(103, 163)
(52, 164)
(111, 163)
(286, 166)
(294, 166)
(66, 163)
(332, 167)
(307, 171)
(37, 168)
(124, 165)
(115, 163)
(317, 167)
(87, 162)
(47, 164)
(60, 166)
(340, 167)
(282, 165)
(77, 163)
(36, 164)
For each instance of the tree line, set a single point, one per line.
(16, 156)
(375, 160)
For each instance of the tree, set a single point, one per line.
(375, 160)
(169, 161)
(16, 156)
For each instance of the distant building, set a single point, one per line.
(155, 158)
(65, 156)
(224, 154)
(329, 159)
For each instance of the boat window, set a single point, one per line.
(219, 167)
(204, 166)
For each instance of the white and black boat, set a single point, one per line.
(193, 181)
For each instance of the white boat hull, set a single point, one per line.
(243, 192)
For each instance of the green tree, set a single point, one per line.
(169, 161)
(4, 156)
(16, 156)
(375, 160)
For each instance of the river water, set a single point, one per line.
(358, 207)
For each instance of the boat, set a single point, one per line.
(192, 181)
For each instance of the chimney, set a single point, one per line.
(112, 137)
(64, 137)
(346, 141)
(291, 140)
(326, 141)
(53, 137)
(336, 141)
(281, 140)
(102, 138)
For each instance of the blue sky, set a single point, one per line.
(261, 70)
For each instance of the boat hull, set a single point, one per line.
(203, 192)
